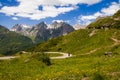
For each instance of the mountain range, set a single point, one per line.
(42, 32)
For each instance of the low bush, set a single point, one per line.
(42, 57)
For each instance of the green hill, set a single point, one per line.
(81, 41)
(89, 62)
(107, 22)
(86, 40)
(11, 42)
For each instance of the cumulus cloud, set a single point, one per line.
(111, 9)
(30, 9)
(87, 19)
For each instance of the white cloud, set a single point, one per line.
(87, 19)
(14, 18)
(58, 21)
(67, 21)
(111, 9)
(30, 9)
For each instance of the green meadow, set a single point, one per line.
(88, 62)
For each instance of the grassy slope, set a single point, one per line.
(107, 22)
(76, 68)
(94, 66)
(79, 42)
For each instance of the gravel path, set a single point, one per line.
(8, 57)
(65, 55)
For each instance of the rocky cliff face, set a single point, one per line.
(21, 29)
(36, 30)
(42, 32)
(59, 29)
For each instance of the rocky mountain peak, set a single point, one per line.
(20, 27)
(41, 23)
(42, 32)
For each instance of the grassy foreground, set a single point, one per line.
(93, 66)
(90, 67)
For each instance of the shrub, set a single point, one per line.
(42, 57)
(98, 76)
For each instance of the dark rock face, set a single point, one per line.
(60, 29)
(43, 33)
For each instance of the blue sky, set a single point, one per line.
(32, 12)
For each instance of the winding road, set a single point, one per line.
(8, 57)
(65, 55)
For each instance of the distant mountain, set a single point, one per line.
(11, 42)
(107, 22)
(22, 29)
(59, 29)
(53, 30)
(41, 32)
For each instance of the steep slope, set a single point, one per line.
(107, 22)
(80, 42)
(100, 36)
(11, 42)
(3, 29)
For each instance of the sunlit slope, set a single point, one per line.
(81, 41)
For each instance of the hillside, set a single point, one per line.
(89, 61)
(3, 29)
(106, 22)
(11, 42)
(81, 41)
